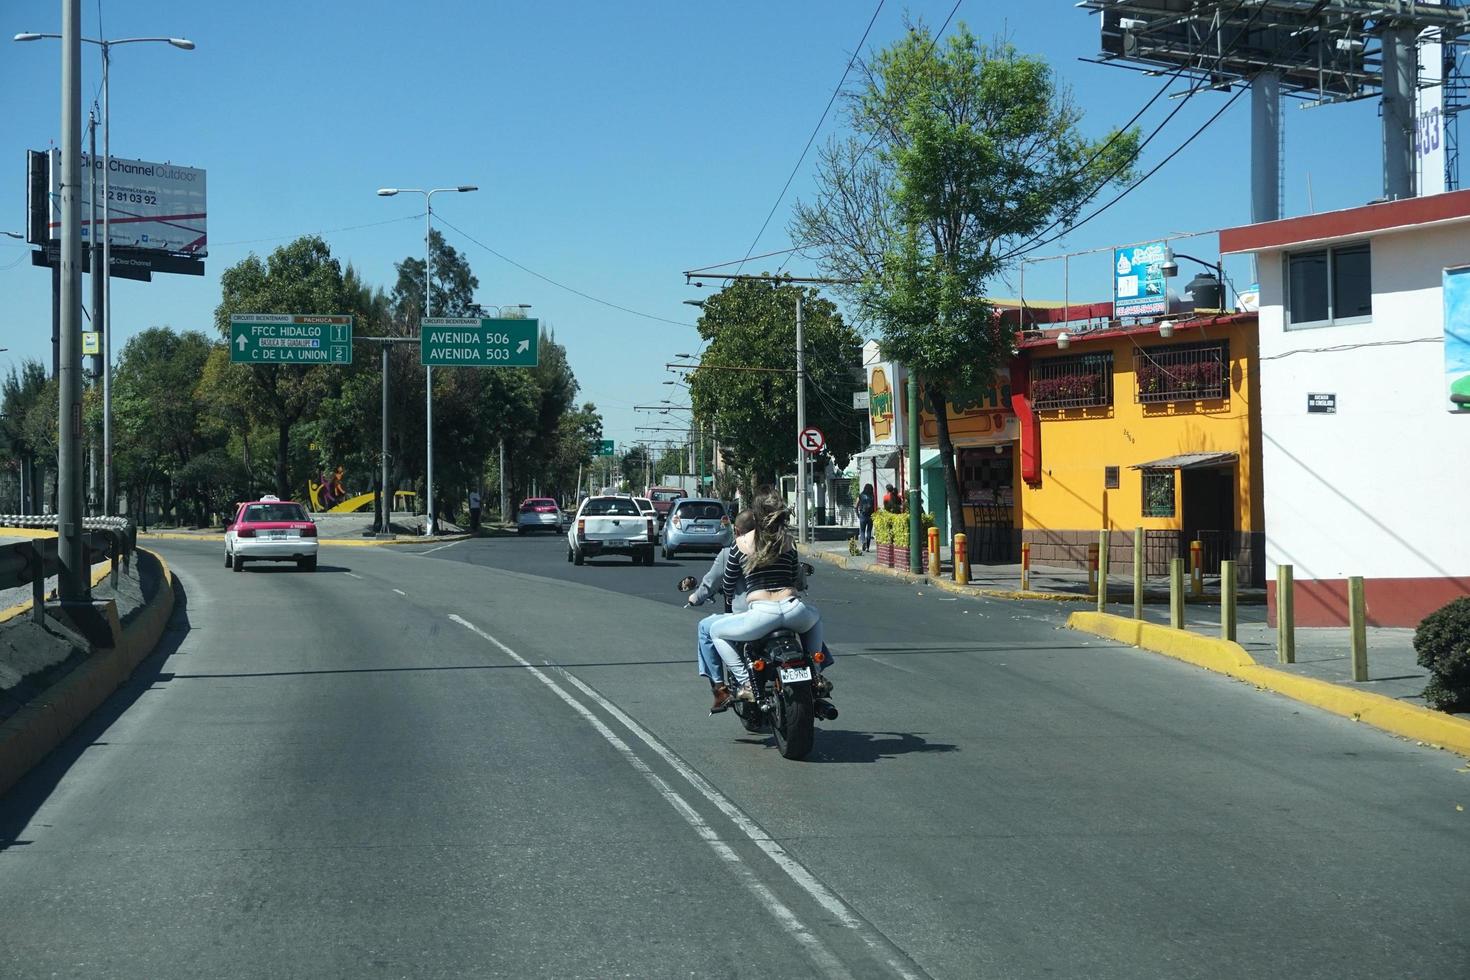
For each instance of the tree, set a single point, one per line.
(753, 325)
(977, 152)
(301, 277)
(27, 433)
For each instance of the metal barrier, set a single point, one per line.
(112, 539)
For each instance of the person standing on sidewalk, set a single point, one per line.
(866, 504)
(892, 501)
(474, 512)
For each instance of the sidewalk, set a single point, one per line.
(1323, 654)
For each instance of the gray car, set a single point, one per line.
(699, 524)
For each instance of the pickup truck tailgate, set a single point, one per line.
(615, 529)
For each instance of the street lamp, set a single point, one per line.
(1207, 291)
(184, 44)
(431, 525)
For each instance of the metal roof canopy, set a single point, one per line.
(1189, 461)
(1323, 50)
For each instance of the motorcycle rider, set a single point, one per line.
(766, 559)
(709, 660)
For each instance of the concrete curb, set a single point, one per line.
(30, 734)
(1224, 657)
(324, 542)
(20, 608)
(947, 585)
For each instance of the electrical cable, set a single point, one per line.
(812, 138)
(329, 231)
(559, 285)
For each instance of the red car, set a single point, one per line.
(663, 498)
(271, 529)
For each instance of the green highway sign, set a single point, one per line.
(605, 448)
(287, 338)
(470, 342)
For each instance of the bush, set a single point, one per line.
(853, 548)
(885, 526)
(1442, 642)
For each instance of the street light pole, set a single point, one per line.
(72, 578)
(431, 523)
(800, 424)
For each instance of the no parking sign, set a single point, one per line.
(811, 440)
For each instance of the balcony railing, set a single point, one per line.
(1072, 382)
(1184, 372)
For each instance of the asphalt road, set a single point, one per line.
(479, 760)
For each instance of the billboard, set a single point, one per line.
(1138, 280)
(153, 206)
(1457, 339)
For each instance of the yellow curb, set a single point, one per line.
(1224, 657)
(27, 736)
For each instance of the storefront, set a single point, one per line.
(984, 431)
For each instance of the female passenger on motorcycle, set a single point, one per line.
(766, 557)
(704, 647)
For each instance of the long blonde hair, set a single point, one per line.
(772, 536)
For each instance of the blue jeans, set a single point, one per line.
(709, 658)
(865, 531)
(762, 617)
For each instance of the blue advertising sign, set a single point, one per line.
(1457, 338)
(1138, 280)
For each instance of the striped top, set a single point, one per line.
(783, 573)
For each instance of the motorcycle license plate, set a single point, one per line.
(791, 675)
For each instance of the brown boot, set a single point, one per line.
(723, 699)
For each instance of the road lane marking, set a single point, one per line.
(420, 554)
(400, 592)
(768, 900)
(356, 576)
(887, 664)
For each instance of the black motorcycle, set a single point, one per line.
(790, 692)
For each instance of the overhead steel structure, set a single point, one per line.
(1319, 51)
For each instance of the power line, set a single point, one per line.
(329, 231)
(812, 138)
(559, 285)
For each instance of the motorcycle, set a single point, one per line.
(790, 692)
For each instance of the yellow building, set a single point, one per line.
(1134, 429)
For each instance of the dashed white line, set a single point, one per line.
(356, 576)
(420, 554)
(400, 592)
(768, 900)
(885, 663)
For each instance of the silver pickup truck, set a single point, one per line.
(611, 526)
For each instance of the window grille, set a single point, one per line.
(1158, 493)
(1072, 382)
(1181, 372)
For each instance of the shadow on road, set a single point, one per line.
(27, 796)
(285, 568)
(839, 745)
(413, 670)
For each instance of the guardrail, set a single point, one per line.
(112, 539)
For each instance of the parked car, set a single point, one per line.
(539, 514)
(611, 526)
(697, 524)
(663, 498)
(271, 529)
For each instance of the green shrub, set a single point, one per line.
(1442, 642)
(853, 548)
(885, 526)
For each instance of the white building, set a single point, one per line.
(1365, 404)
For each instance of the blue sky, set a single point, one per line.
(615, 144)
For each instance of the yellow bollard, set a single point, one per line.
(1092, 569)
(1285, 615)
(961, 560)
(1196, 568)
(1025, 566)
(934, 552)
(1104, 546)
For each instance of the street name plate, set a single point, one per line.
(471, 342)
(288, 338)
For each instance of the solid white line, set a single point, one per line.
(768, 900)
(887, 664)
(400, 592)
(782, 858)
(420, 554)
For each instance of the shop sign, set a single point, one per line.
(1138, 280)
(982, 417)
(1457, 339)
(885, 404)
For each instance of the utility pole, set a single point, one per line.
(916, 546)
(385, 493)
(73, 578)
(94, 447)
(800, 424)
(503, 502)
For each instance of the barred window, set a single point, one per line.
(1158, 493)
(1181, 372)
(1072, 382)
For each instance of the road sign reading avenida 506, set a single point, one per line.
(285, 338)
(488, 342)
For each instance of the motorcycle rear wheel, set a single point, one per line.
(795, 722)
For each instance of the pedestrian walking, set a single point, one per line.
(866, 504)
(474, 512)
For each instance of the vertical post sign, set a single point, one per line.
(290, 338)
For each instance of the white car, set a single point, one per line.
(612, 526)
(271, 529)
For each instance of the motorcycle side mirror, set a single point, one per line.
(808, 569)
(687, 583)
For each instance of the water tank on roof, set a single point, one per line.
(1205, 290)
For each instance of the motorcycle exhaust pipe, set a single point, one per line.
(825, 710)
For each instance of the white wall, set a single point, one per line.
(1379, 488)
